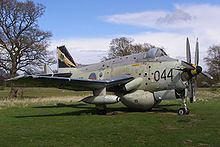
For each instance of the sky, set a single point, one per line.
(86, 27)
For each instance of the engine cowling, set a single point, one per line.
(139, 99)
(145, 100)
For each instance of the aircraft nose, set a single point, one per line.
(198, 69)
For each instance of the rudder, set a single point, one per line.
(65, 60)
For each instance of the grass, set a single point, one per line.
(43, 92)
(76, 124)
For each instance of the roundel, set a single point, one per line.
(92, 76)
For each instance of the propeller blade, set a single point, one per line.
(187, 65)
(195, 87)
(197, 52)
(207, 75)
(188, 54)
(190, 90)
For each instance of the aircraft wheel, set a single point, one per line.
(183, 111)
(101, 109)
(101, 112)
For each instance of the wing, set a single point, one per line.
(69, 83)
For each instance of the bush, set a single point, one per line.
(2, 87)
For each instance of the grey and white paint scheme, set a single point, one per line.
(139, 81)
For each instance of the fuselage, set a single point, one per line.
(156, 68)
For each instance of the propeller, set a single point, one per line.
(188, 54)
(191, 71)
(187, 65)
(207, 75)
(197, 52)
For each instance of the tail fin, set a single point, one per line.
(65, 60)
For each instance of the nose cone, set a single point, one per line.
(198, 69)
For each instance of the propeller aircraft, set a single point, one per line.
(139, 81)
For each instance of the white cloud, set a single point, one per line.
(178, 16)
(154, 19)
(184, 16)
(173, 27)
(136, 19)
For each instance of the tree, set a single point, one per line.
(213, 62)
(124, 46)
(22, 44)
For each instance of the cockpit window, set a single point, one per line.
(160, 52)
(155, 52)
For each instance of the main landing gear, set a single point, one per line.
(184, 110)
(101, 109)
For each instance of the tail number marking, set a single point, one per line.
(164, 75)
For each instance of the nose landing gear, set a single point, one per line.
(184, 110)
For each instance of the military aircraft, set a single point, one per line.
(139, 81)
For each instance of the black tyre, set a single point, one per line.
(181, 111)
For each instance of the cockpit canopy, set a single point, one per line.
(155, 52)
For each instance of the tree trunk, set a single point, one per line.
(13, 70)
(13, 92)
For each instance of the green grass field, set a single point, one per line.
(76, 124)
(42, 92)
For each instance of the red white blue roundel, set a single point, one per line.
(92, 76)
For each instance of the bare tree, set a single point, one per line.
(119, 47)
(22, 44)
(213, 62)
(125, 46)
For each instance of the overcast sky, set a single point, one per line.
(86, 27)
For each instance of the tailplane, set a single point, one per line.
(65, 60)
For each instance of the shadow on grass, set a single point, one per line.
(74, 113)
(164, 110)
(88, 110)
(169, 105)
(62, 105)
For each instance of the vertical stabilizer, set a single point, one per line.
(65, 60)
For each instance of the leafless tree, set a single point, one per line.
(22, 43)
(125, 46)
(213, 62)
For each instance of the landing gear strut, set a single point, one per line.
(184, 110)
(101, 109)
